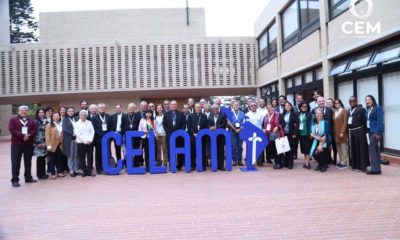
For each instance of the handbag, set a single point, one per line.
(273, 136)
(282, 143)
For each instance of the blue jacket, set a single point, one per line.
(376, 120)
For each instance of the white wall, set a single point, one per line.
(120, 24)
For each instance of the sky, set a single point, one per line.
(223, 17)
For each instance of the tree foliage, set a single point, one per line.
(23, 25)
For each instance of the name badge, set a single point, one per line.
(104, 127)
(268, 127)
(198, 127)
(237, 125)
(350, 121)
(24, 130)
(301, 126)
(368, 126)
(173, 123)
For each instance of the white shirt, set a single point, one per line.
(84, 131)
(159, 127)
(59, 127)
(255, 118)
(262, 111)
(119, 117)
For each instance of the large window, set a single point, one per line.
(391, 89)
(267, 44)
(270, 92)
(299, 20)
(336, 7)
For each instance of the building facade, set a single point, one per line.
(339, 47)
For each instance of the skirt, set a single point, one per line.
(305, 144)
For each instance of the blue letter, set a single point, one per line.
(152, 158)
(106, 153)
(173, 151)
(131, 153)
(214, 155)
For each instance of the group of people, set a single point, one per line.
(70, 141)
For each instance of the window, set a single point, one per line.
(267, 44)
(290, 21)
(297, 80)
(345, 91)
(299, 20)
(391, 88)
(359, 61)
(339, 67)
(289, 83)
(336, 7)
(308, 77)
(309, 12)
(367, 86)
(387, 54)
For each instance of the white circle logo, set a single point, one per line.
(353, 10)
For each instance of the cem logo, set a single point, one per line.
(361, 27)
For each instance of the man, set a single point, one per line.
(196, 122)
(248, 102)
(299, 100)
(116, 126)
(23, 130)
(262, 110)
(191, 105)
(358, 145)
(202, 104)
(166, 105)
(329, 103)
(128, 124)
(207, 109)
(186, 112)
(235, 125)
(152, 108)
(218, 101)
(101, 125)
(92, 111)
(175, 120)
(257, 120)
(281, 104)
(316, 95)
(84, 106)
(218, 120)
(143, 107)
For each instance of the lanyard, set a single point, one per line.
(352, 111)
(103, 120)
(270, 118)
(23, 122)
(236, 115)
(129, 118)
(369, 112)
(302, 116)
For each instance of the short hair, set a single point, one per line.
(214, 106)
(282, 96)
(49, 109)
(83, 112)
(84, 101)
(23, 107)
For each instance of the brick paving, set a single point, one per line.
(267, 204)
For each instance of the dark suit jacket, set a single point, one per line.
(138, 116)
(125, 123)
(221, 121)
(113, 122)
(196, 120)
(98, 126)
(293, 123)
(180, 122)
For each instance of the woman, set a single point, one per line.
(84, 133)
(375, 132)
(321, 135)
(340, 132)
(161, 143)
(289, 122)
(305, 118)
(270, 127)
(146, 125)
(40, 144)
(274, 103)
(69, 143)
(63, 114)
(358, 145)
(54, 144)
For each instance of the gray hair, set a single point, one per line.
(83, 112)
(23, 107)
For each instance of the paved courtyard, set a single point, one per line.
(268, 204)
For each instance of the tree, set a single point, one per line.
(23, 26)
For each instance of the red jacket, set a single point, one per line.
(15, 127)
